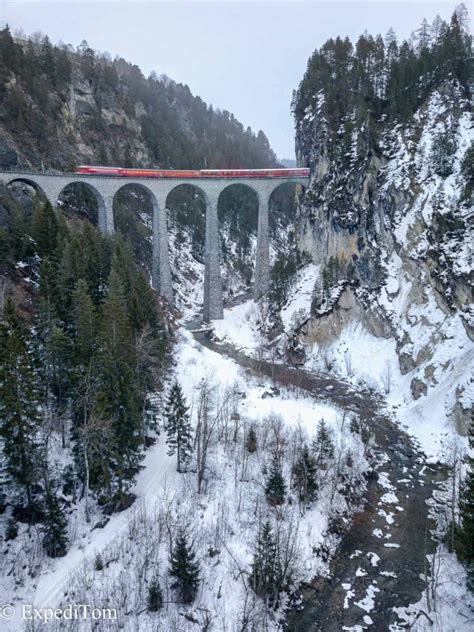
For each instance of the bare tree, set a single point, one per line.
(348, 363)
(387, 377)
(287, 544)
(260, 349)
(454, 451)
(95, 433)
(208, 415)
(203, 430)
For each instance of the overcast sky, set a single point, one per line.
(246, 57)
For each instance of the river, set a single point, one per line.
(380, 558)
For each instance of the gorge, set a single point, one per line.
(300, 463)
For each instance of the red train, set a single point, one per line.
(186, 174)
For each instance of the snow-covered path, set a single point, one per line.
(157, 467)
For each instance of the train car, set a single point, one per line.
(186, 174)
(137, 173)
(254, 173)
(158, 173)
(102, 171)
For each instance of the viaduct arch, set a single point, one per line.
(105, 188)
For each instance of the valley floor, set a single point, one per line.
(381, 563)
(375, 567)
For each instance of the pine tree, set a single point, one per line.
(6, 258)
(96, 253)
(11, 530)
(49, 296)
(117, 396)
(54, 526)
(46, 57)
(184, 569)
(323, 446)
(251, 441)
(423, 36)
(467, 171)
(85, 322)
(44, 228)
(354, 426)
(71, 269)
(266, 572)
(465, 535)
(155, 596)
(86, 382)
(58, 364)
(20, 398)
(20, 242)
(442, 149)
(98, 563)
(304, 476)
(275, 487)
(438, 28)
(178, 427)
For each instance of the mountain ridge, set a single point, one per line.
(60, 107)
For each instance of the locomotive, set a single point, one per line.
(187, 174)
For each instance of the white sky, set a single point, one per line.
(246, 57)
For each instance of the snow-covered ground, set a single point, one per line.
(299, 300)
(362, 358)
(112, 565)
(447, 604)
(444, 363)
(240, 327)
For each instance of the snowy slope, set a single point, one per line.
(134, 545)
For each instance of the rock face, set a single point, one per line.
(389, 216)
(418, 388)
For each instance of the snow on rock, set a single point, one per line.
(388, 499)
(299, 299)
(242, 324)
(387, 515)
(349, 594)
(368, 602)
(422, 357)
(188, 273)
(374, 558)
(384, 481)
(239, 327)
(362, 358)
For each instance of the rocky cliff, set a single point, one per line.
(388, 216)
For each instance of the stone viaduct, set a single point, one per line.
(105, 187)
